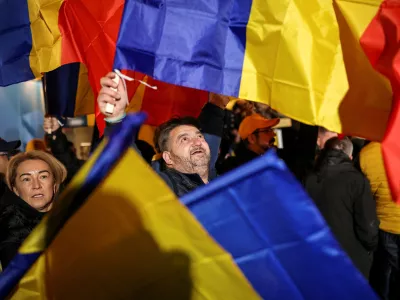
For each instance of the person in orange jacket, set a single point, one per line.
(385, 273)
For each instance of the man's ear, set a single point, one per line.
(319, 142)
(251, 139)
(167, 157)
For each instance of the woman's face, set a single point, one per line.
(35, 184)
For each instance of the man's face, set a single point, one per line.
(3, 162)
(261, 140)
(188, 150)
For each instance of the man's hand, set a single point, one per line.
(50, 124)
(219, 100)
(119, 98)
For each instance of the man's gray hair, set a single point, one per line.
(344, 145)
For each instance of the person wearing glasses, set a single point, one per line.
(257, 136)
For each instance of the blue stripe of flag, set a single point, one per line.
(261, 215)
(16, 269)
(15, 42)
(61, 90)
(199, 44)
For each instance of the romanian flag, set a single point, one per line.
(119, 234)
(303, 58)
(288, 54)
(68, 94)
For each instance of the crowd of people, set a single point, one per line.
(344, 176)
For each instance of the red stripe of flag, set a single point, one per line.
(89, 35)
(381, 43)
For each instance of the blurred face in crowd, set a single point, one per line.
(323, 137)
(3, 162)
(188, 150)
(35, 184)
(246, 107)
(261, 140)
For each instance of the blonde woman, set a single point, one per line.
(34, 179)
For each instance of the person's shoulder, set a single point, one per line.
(350, 175)
(166, 178)
(354, 173)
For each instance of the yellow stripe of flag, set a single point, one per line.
(365, 109)
(303, 58)
(293, 59)
(46, 36)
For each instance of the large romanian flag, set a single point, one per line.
(303, 58)
(118, 232)
(298, 56)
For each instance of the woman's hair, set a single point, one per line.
(57, 168)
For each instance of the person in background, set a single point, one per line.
(36, 144)
(242, 109)
(385, 273)
(257, 136)
(33, 180)
(230, 136)
(266, 111)
(323, 136)
(71, 147)
(233, 118)
(6, 150)
(299, 149)
(188, 156)
(146, 150)
(61, 148)
(343, 196)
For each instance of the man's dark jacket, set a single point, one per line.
(343, 195)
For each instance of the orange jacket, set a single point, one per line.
(371, 162)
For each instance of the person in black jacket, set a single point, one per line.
(185, 153)
(6, 150)
(257, 136)
(343, 196)
(33, 180)
(61, 148)
(188, 159)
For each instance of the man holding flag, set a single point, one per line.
(187, 154)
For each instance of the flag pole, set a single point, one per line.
(46, 104)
